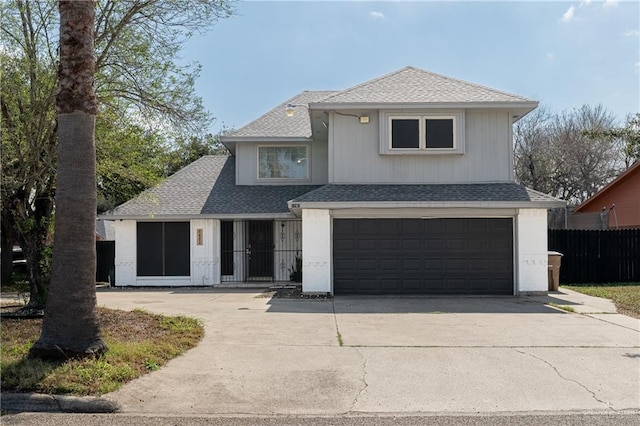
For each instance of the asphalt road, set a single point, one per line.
(564, 419)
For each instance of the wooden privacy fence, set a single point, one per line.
(597, 256)
(105, 261)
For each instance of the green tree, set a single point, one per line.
(29, 129)
(130, 159)
(70, 327)
(188, 149)
(629, 134)
(141, 88)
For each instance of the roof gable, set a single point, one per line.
(415, 85)
(406, 86)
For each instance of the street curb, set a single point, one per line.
(43, 403)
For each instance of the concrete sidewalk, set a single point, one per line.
(405, 355)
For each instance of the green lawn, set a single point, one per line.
(626, 296)
(139, 342)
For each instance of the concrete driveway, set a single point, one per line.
(389, 355)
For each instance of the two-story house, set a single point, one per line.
(400, 185)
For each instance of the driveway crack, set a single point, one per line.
(335, 321)
(365, 385)
(593, 394)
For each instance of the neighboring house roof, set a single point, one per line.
(274, 124)
(610, 187)
(510, 194)
(414, 85)
(207, 187)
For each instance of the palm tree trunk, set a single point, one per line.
(70, 327)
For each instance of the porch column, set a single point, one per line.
(531, 237)
(125, 261)
(316, 251)
(205, 252)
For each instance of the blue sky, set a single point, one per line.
(564, 54)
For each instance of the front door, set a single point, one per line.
(260, 250)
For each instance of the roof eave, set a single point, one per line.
(524, 105)
(266, 139)
(176, 217)
(298, 205)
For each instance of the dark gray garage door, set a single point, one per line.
(423, 256)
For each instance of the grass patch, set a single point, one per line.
(563, 307)
(626, 296)
(139, 342)
(340, 341)
(20, 285)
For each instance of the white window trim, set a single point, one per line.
(386, 118)
(263, 179)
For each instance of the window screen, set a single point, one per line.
(163, 249)
(439, 133)
(226, 247)
(176, 249)
(149, 251)
(405, 133)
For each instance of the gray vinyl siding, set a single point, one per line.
(355, 153)
(247, 164)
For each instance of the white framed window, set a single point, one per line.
(422, 133)
(283, 162)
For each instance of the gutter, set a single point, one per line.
(422, 105)
(296, 207)
(183, 217)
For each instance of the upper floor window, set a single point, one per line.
(431, 133)
(283, 162)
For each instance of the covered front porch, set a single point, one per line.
(233, 252)
(260, 251)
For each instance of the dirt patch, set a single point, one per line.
(12, 310)
(291, 292)
(129, 326)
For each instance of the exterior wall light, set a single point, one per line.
(363, 119)
(289, 109)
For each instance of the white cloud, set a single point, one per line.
(569, 14)
(551, 56)
(632, 33)
(610, 3)
(376, 15)
(637, 67)
(585, 3)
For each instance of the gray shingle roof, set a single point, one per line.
(414, 85)
(409, 85)
(207, 186)
(474, 192)
(275, 123)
